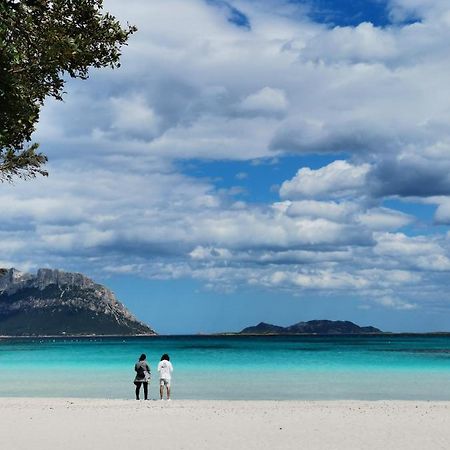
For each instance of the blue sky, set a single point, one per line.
(254, 161)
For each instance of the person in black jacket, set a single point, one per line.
(142, 370)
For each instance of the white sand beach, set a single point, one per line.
(47, 424)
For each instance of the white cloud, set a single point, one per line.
(266, 100)
(194, 85)
(399, 244)
(208, 253)
(385, 219)
(442, 215)
(363, 43)
(353, 89)
(423, 253)
(133, 116)
(338, 212)
(338, 179)
(395, 303)
(418, 9)
(241, 175)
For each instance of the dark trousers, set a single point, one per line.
(138, 388)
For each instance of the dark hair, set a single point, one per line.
(165, 357)
(142, 357)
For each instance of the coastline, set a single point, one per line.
(199, 424)
(78, 336)
(228, 334)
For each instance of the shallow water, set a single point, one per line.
(233, 367)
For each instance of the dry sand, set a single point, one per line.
(87, 424)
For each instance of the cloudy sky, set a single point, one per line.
(254, 161)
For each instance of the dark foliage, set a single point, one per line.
(41, 42)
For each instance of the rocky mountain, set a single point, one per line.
(52, 302)
(324, 327)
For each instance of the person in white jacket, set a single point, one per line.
(165, 370)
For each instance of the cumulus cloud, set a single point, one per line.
(338, 179)
(416, 252)
(417, 9)
(411, 176)
(190, 74)
(243, 81)
(400, 244)
(338, 212)
(385, 219)
(266, 101)
(134, 118)
(297, 135)
(363, 43)
(195, 84)
(442, 215)
(169, 225)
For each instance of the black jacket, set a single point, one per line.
(141, 367)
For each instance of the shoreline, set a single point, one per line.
(223, 425)
(79, 336)
(228, 334)
(181, 401)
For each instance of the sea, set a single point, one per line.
(378, 367)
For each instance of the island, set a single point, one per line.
(322, 327)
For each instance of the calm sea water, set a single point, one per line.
(233, 367)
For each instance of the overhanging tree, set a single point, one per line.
(41, 43)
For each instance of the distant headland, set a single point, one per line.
(57, 303)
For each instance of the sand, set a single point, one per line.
(49, 424)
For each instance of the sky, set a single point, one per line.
(251, 161)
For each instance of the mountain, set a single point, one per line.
(52, 302)
(263, 328)
(312, 327)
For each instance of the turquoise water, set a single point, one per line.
(233, 367)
